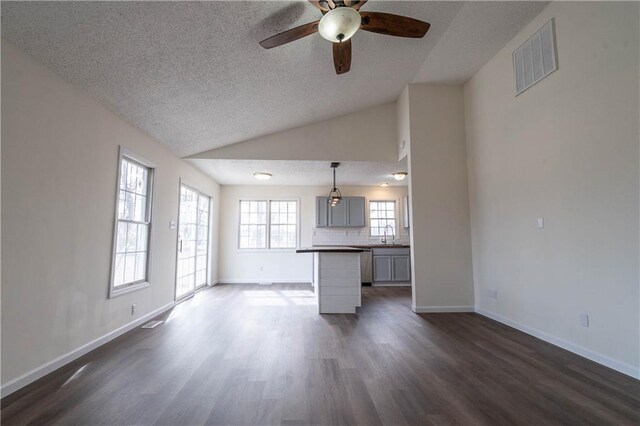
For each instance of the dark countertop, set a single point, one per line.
(331, 249)
(370, 246)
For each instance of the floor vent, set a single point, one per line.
(152, 324)
(265, 283)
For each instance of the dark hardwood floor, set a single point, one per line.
(242, 354)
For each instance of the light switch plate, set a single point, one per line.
(541, 222)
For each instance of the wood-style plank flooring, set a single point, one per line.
(253, 355)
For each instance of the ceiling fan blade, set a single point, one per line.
(317, 4)
(358, 5)
(393, 25)
(290, 35)
(342, 56)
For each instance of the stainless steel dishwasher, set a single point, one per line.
(366, 267)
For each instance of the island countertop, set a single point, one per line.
(327, 249)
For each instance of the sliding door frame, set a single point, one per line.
(181, 184)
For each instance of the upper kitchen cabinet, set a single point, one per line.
(322, 212)
(348, 214)
(339, 214)
(405, 212)
(355, 211)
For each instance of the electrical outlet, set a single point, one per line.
(133, 309)
(584, 320)
(262, 269)
(492, 294)
(540, 222)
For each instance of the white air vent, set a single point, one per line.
(536, 58)
(152, 324)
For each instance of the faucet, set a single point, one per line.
(393, 237)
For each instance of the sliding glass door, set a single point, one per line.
(193, 241)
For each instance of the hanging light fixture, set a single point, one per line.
(334, 196)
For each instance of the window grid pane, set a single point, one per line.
(253, 224)
(132, 230)
(283, 225)
(268, 224)
(381, 215)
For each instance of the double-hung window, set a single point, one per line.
(382, 215)
(268, 224)
(130, 263)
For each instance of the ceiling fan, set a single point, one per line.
(341, 20)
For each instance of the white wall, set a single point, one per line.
(566, 150)
(367, 135)
(404, 123)
(283, 265)
(440, 227)
(59, 162)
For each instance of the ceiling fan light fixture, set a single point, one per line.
(339, 24)
(262, 175)
(399, 175)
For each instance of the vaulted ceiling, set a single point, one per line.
(192, 74)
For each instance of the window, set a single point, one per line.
(268, 224)
(282, 226)
(130, 263)
(253, 224)
(381, 215)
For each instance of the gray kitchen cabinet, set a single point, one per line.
(355, 212)
(350, 213)
(381, 268)
(322, 212)
(400, 268)
(338, 215)
(405, 212)
(391, 265)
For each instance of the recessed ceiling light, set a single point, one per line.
(399, 175)
(384, 184)
(262, 176)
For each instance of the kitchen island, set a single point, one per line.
(336, 278)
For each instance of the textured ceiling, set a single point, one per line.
(479, 30)
(312, 173)
(192, 74)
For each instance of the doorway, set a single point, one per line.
(192, 270)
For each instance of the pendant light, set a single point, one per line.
(334, 196)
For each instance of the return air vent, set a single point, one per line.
(152, 324)
(536, 58)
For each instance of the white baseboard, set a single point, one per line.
(263, 281)
(441, 309)
(44, 369)
(620, 366)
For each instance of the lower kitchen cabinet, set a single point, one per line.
(400, 268)
(381, 268)
(391, 266)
